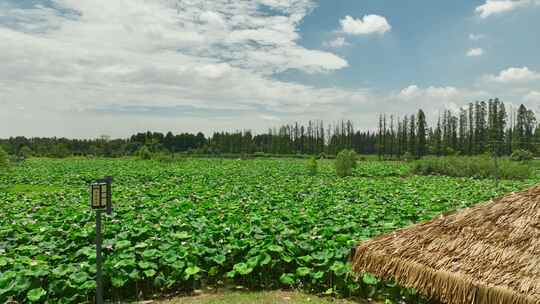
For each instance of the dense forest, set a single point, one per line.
(482, 127)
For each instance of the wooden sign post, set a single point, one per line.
(100, 200)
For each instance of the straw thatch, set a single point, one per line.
(487, 254)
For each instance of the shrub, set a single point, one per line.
(259, 155)
(144, 153)
(476, 167)
(408, 156)
(4, 160)
(521, 155)
(345, 163)
(353, 157)
(60, 151)
(25, 152)
(449, 151)
(163, 157)
(312, 166)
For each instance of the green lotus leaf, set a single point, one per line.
(36, 294)
(287, 279)
(369, 279)
(303, 271)
(149, 273)
(242, 268)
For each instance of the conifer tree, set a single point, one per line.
(412, 135)
(422, 125)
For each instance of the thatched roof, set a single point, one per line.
(488, 254)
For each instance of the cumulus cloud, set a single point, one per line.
(514, 75)
(84, 68)
(532, 97)
(204, 30)
(476, 37)
(369, 24)
(336, 43)
(495, 7)
(413, 91)
(73, 58)
(475, 52)
(433, 99)
(409, 92)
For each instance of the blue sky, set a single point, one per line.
(426, 45)
(81, 68)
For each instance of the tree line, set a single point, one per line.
(481, 127)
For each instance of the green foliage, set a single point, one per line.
(345, 163)
(258, 297)
(353, 159)
(164, 157)
(60, 151)
(259, 155)
(25, 152)
(144, 153)
(36, 294)
(248, 156)
(312, 166)
(449, 151)
(4, 160)
(408, 156)
(256, 223)
(476, 167)
(521, 155)
(369, 279)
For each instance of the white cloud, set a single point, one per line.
(514, 75)
(339, 42)
(269, 117)
(433, 99)
(532, 97)
(213, 71)
(213, 19)
(95, 55)
(495, 7)
(443, 92)
(413, 92)
(476, 37)
(409, 92)
(88, 69)
(369, 24)
(475, 52)
(214, 30)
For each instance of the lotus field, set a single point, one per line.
(188, 224)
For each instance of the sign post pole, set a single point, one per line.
(99, 275)
(100, 200)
